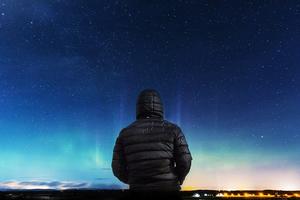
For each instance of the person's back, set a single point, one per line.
(151, 153)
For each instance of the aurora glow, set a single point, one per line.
(228, 74)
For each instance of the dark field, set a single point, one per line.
(125, 194)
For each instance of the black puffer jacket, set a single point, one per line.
(151, 153)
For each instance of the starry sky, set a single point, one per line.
(227, 71)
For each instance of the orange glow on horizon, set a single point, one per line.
(240, 177)
(189, 188)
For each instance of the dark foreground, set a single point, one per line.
(125, 194)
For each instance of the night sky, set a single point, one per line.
(227, 71)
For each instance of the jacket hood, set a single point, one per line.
(149, 105)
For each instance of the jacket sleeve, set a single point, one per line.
(182, 155)
(118, 164)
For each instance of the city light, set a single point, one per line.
(261, 194)
(196, 195)
(246, 194)
(255, 194)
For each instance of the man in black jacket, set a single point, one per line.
(151, 153)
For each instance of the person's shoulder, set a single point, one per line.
(174, 128)
(126, 130)
(172, 125)
(131, 125)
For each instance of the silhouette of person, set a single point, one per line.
(151, 154)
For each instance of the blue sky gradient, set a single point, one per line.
(228, 73)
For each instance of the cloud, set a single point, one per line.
(106, 186)
(100, 179)
(56, 185)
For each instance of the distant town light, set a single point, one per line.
(196, 195)
(246, 194)
(220, 195)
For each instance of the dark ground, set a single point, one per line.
(116, 195)
(87, 194)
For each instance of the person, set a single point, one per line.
(151, 154)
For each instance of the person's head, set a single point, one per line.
(149, 105)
